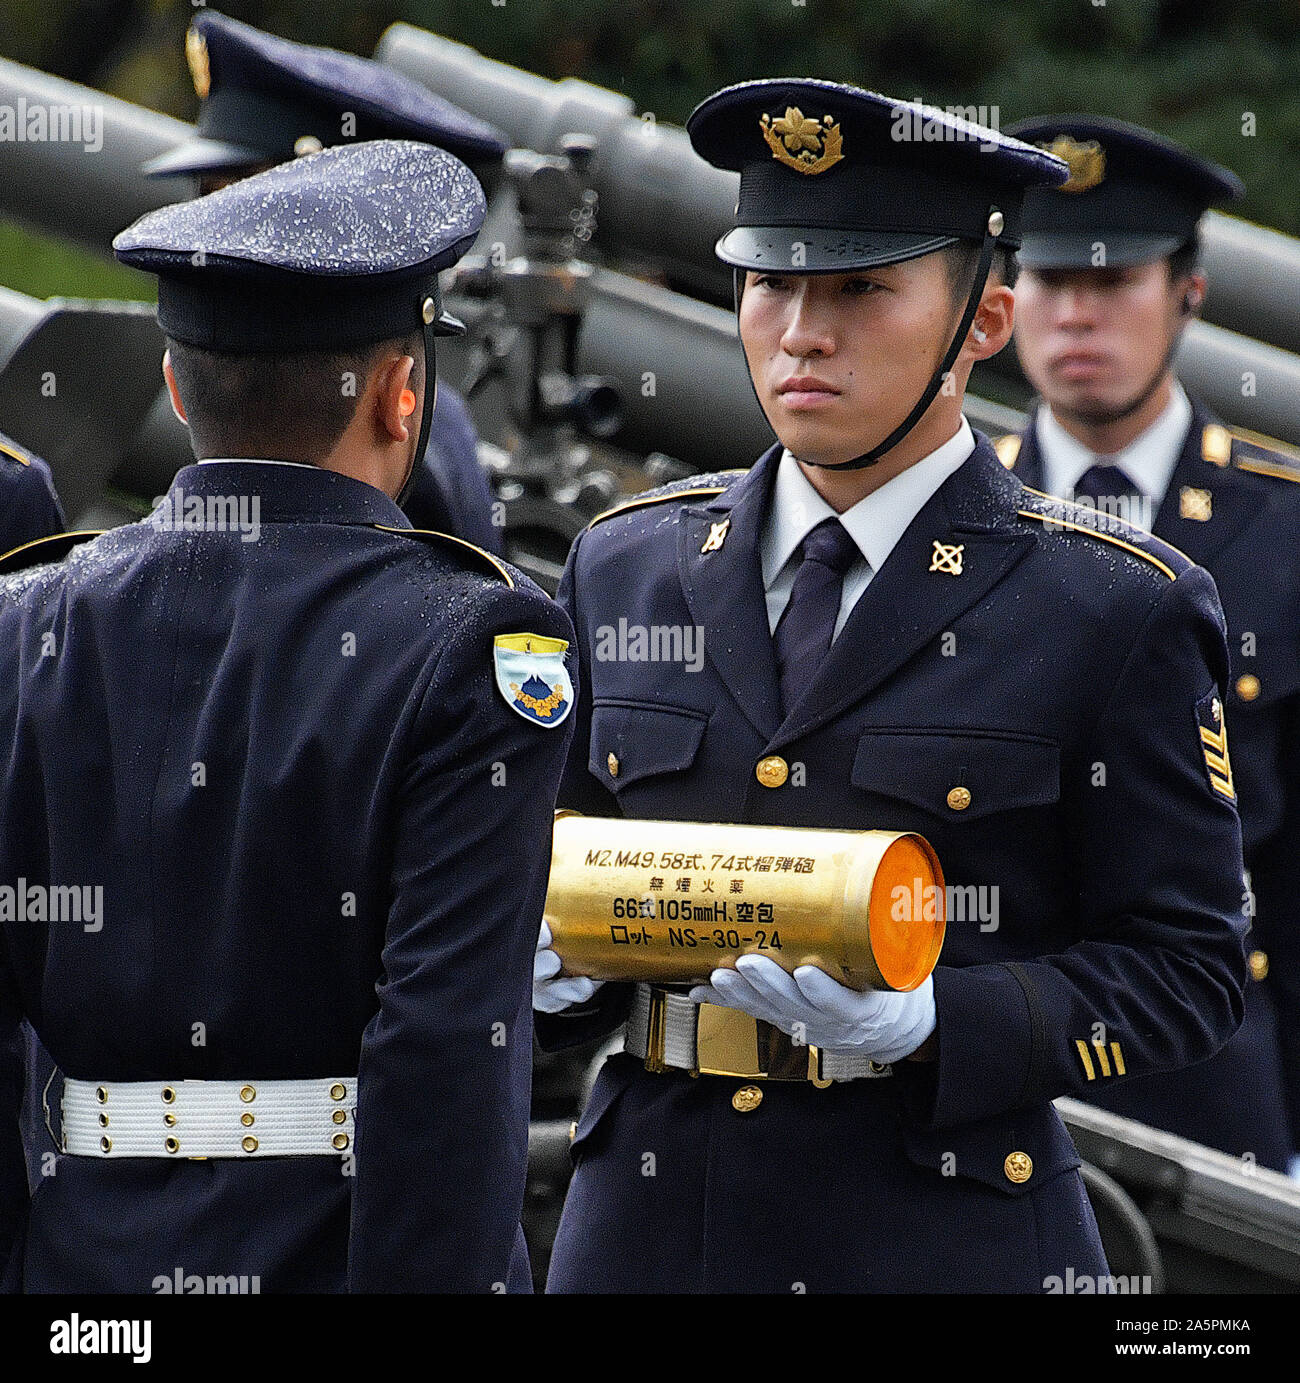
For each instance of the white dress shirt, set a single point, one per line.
(1148, 460)
(875, 523)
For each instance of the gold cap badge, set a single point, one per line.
(196, 54)
(1087, 162)
(802, 142)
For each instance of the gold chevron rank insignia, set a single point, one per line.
(1214, 745)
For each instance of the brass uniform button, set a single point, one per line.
(247, 1120)
(249, 1144)
(1258, 965)
(611, 763)
(573, 1130)
(172, 1144)
(170, 1120)
(747, 1099)
(1019, 1167)
(337, 1091)
(340, 1141)
(103, 1121)
(106, 1144)
(168, 1094)
(959, 799)
(339, 1116)
(101, 1094)
(248, 1094)
(772, 771)
(1248, 686)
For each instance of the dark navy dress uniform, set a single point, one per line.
(264, 100)
(1232, 505)
(1118, 942)
(321, 829)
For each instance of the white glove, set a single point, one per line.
(551, 990)
(817, 1011)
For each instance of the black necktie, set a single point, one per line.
(1103, 486)
(803, 633)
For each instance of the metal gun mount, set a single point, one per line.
(524, 312)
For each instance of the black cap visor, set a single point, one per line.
(818, 250)
(1075, 249)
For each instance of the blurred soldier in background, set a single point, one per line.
(897, 636)
(1109, 283)
(265, 100)
(29, 507)
(276, 801)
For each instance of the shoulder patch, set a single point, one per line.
(532, 678)
(1083, 518)
(42, 550)
(14, 454)
(431, 535)
(1008, 448)
(693, 487)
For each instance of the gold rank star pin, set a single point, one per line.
(1087, 162)
(947, 557)
(802, 142)
(717, 536)
(196, 55)
(1195, 504)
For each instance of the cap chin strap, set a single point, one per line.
(426, 412)
(992, 229)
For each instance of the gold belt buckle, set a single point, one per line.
(731, 1043)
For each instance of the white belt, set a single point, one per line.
(209, 1118)
(682, 1048)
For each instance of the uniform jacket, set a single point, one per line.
(449, 491)
(1063, 678)
(323, 841)
(1233, 506)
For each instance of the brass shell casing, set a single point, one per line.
(658, 901)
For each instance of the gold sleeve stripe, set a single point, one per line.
(1119, 1059)
(1102, 1058)
(1085, 1058)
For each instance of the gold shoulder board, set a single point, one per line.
(655, 499)
(432, 534)
(39, 551)
(1064, 521)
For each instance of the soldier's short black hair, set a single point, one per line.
(962, 259)
(287, 407)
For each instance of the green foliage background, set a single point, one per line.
(1193, 69)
